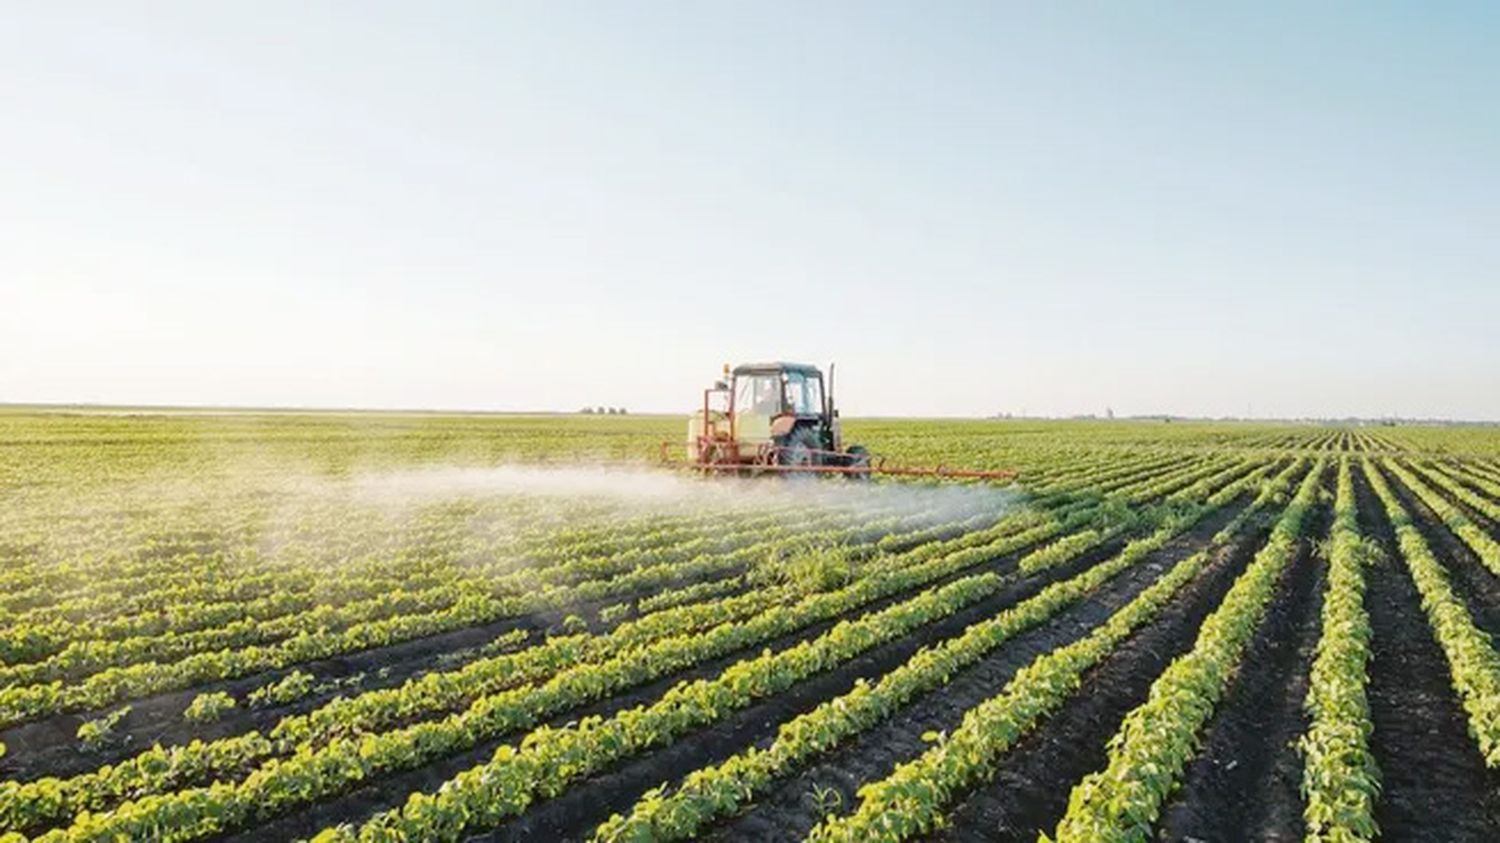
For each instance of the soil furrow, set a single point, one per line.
(1470, 482)
(575, 815)
(392, 790)
(1244, 783)
(1434, 785)
(1032, 783)
(1475, 585)
(1480, 520)
(792, 809)
(50, 747)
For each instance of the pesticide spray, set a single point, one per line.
(638, 490)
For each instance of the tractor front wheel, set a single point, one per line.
(859, 459)
(800, 449)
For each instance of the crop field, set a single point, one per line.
(379, 627)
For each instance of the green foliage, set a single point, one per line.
(808, 569)
(207, 708)
(1486, 548)
(716, 791)
(1156, 740)
(347, 757)
(615, 613)
(827, 800)
(1474, 666)
(99, 732)
(1340, 778)
(288, 689)
(154, 554)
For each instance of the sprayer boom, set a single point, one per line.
(780, 418)
(875, 465)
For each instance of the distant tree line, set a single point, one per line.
(603, 411)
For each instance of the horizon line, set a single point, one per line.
(210, 409)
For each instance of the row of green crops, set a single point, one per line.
(716, 791)
(1340, 778)
(1472, 661)
(1157, 738)
(145, 561)
(304, 776)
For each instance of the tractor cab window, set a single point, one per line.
(804, 393)
(758, 394)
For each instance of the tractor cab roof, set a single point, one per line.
(775, 367)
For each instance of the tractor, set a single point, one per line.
(780, 418)
(773, 416)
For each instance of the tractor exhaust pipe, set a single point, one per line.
(828, 399)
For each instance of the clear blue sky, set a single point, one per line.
(1282, 209)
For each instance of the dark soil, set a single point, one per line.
(574, 815)
(1484, 470)
(1475, 585)
(791, 810)
(1244, 783)
(1458, 478)
(393, 790)
(1030, 790)
(49, 747)
(1434, 785)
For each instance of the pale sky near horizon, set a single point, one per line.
(1273, 209)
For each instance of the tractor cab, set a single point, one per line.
(774, 400)
(770, 414)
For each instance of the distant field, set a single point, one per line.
(350, 626)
